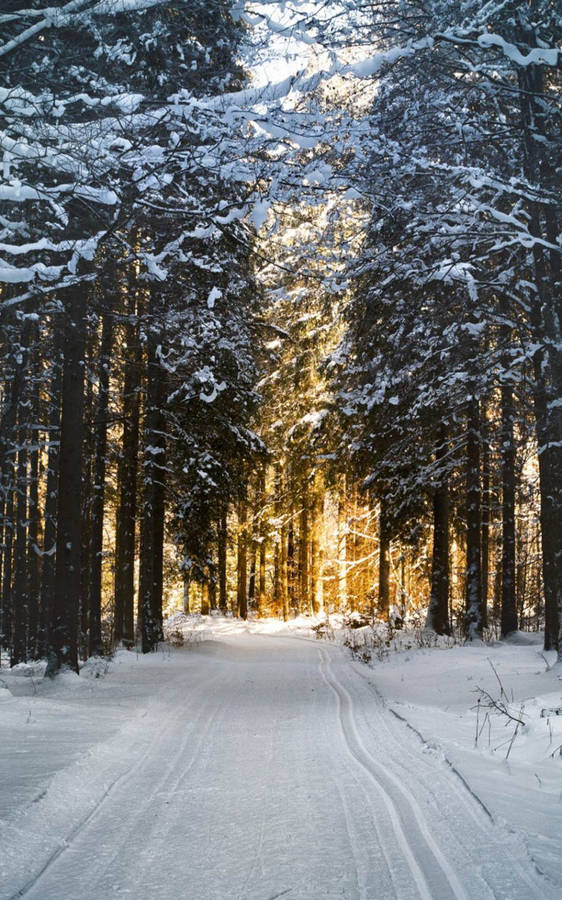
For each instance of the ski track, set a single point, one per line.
(273, 769)
(415, 857)
(406, 758)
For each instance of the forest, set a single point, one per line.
(280, 317)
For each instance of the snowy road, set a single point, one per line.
(269, 768)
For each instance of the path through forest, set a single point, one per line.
(268, 767)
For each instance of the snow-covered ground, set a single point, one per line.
(257, 762)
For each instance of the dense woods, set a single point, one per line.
(283, 346)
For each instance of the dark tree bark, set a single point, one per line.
(146, 570)
(546, 321)
(253, 572)
(63, 632)
(159, 508)
(438, 611)
(241, 565)
(221, 552)
(292, 566)
(14, 458)
(20, 599)
(508, 593)
(152, 529)
(284, 572)
(186, 586)
(485, 520)
(88, 451)
(212, 587)
(95, 642)
(127, 486)
(473, 619)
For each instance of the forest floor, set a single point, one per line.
(257, 762)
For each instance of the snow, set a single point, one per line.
(255, 761)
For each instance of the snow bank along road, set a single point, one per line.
(261, 767)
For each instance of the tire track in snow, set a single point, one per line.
(442, 881)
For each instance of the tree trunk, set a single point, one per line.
(7, 566)
(152, 530)
(438, 611)
(88, 451)
(485, 538)
(473, 619)
(252, 578)
(20, 599)
(51, 490)
(546, 321)
(304, 541)
(19, 432)
(95, 643)
(342, 543)
(205, 609)
(186, 586)
(284, 573)
(146, 571)
(262, 547)
(508, 593)
(291, 565)
(221, 553)
(159, 512)
(34, 558)
(127, 487)
(316, 554)
(241, 565)
(384, 561)
(63, 632)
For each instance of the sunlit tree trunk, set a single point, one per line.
(342, 542)
(262, 546)
(34, 558)
(284, 574)
(95, 643)
(205, 608)
(186, 586)
(384, 561)
(305, 598)
(473, 618)
(317, 553)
